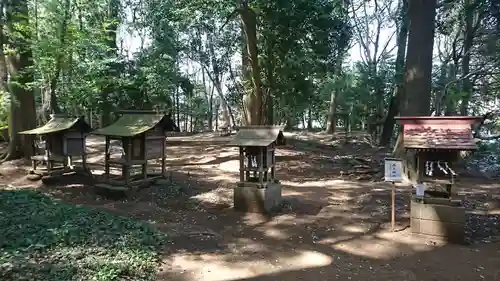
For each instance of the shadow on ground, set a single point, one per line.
(330, 227)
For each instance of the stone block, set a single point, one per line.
(253, 199)
(440, 222)
(437, 212)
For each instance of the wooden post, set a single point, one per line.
(106, 158)
(393, 207)
(249, 162)
(273, 167)
(84, 152)
(242, 165)
(48, 148)
(127, 143)
(144, 154)
(261, 164)
(453, 190)
(163, 156)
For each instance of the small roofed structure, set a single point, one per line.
(143, 136)
(436, 142)
(258, 190)
(62, 138)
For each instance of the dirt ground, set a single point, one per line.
(334, 224)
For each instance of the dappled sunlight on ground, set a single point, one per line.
(213, 267)
(331, 225)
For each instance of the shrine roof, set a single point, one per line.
(59, 123)
(438, 119)
(132, 124)
(261, 136)
(439, 132)
(430, 138)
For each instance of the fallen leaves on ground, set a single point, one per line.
(43, 239)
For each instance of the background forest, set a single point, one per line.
(215, 63)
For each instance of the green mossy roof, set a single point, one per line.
(56, 124)
(129, 125)
(261, 136)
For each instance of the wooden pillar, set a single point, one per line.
(273, 167)
(48, 154)
(163, 156)
(106, 158)
(249, 162)
(242, 165)
(144, 154)
(127, 146)
(84, 152)
(261, 164)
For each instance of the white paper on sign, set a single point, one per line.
(420, 189)
(393, 168)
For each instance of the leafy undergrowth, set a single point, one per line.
(43, 239)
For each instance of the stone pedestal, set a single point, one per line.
(443, 222)
(251, 198)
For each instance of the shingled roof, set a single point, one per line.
(261, 136)
(438, 132)
(136, 122)
(59, 123)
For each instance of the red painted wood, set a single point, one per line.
(438, 132)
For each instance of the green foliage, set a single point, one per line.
(43, 239)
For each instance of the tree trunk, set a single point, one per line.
(113, 17)
(468, 40)
(449, 100)
(269, 101)
(418, 69)
(14, 112)
(253, 101)
(395, 102)
(332, 113)
(216, 79)
(23, 111)
(309, 119)
(53, 104)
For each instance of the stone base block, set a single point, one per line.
(252, 199)
(440, 222)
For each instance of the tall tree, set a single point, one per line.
(418, 69)
(395, 101)
(20, 59)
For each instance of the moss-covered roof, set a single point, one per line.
(59, 123)
(129, 125)
(256, 136)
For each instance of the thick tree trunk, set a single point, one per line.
(21, 63)
(253, 101)
(395, 102)
(418, 69)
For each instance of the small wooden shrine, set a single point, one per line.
(436, 142)
(61, 139)
(258, 190)
(142, 135)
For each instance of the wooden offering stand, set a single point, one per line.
(143, 137)
(61, 139)
(436, 142)
(258, 189)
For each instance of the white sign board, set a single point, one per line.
(393, 169)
